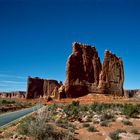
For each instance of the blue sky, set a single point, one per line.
(36, 37)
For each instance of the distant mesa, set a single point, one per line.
(84, 74)
(37, 87)
(135, 93)
(14, 94)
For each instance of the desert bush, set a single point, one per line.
(107, 116)
(52, 107)
(97, 107)
(127, 122)
(84, 108)
(92, 129)
(40, 128)
(115, 134)
(65, 124)
(120, 131)
(23, 128)
(75, 103)
(105, 123)
(7, 102)
(86, 125)
(72, 110)
(134, 131)
(130, 111)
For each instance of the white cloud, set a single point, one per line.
(12, 76)
(12, 82)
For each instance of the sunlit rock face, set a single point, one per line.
(37, 87)
(82, 70)
(85, 73)
(112, 75)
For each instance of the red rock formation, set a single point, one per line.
(84, 74)
(15, 94)
(34, 87)
(61, 92)
(37, 87)
(82, 69)
(112, 75)
(49, 86)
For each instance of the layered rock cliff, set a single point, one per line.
(14, 94)
(82, 70)
(37, 87)
(85, 73)
(112, 75)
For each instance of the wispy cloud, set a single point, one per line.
(3, 85)
(12, 76)
(12, 82)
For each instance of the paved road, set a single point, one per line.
(11, 116)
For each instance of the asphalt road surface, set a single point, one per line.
(12, 116)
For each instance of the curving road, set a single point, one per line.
(12, 116)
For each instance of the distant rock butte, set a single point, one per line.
(14, 94)
(37, 87)
(85, 73)
(132, 93)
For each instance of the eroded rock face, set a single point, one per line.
(34, 87)
(14, 94)
(61, 92)
(85, 74)
(49, 86)
(83, 68)
(112, 75)
(37, 87)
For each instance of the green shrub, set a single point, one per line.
(126, 122)
(120, 131)
(115, 135)
(130, 111)
(65, 124)
(84, 108)
(97, 107)
(134, 131)
(75, 103)
(23, 128)
(104, 123)
(92, 129)
(7, 102)
(86, 125)
(72, 110)
(52, 107)
(107, 116)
